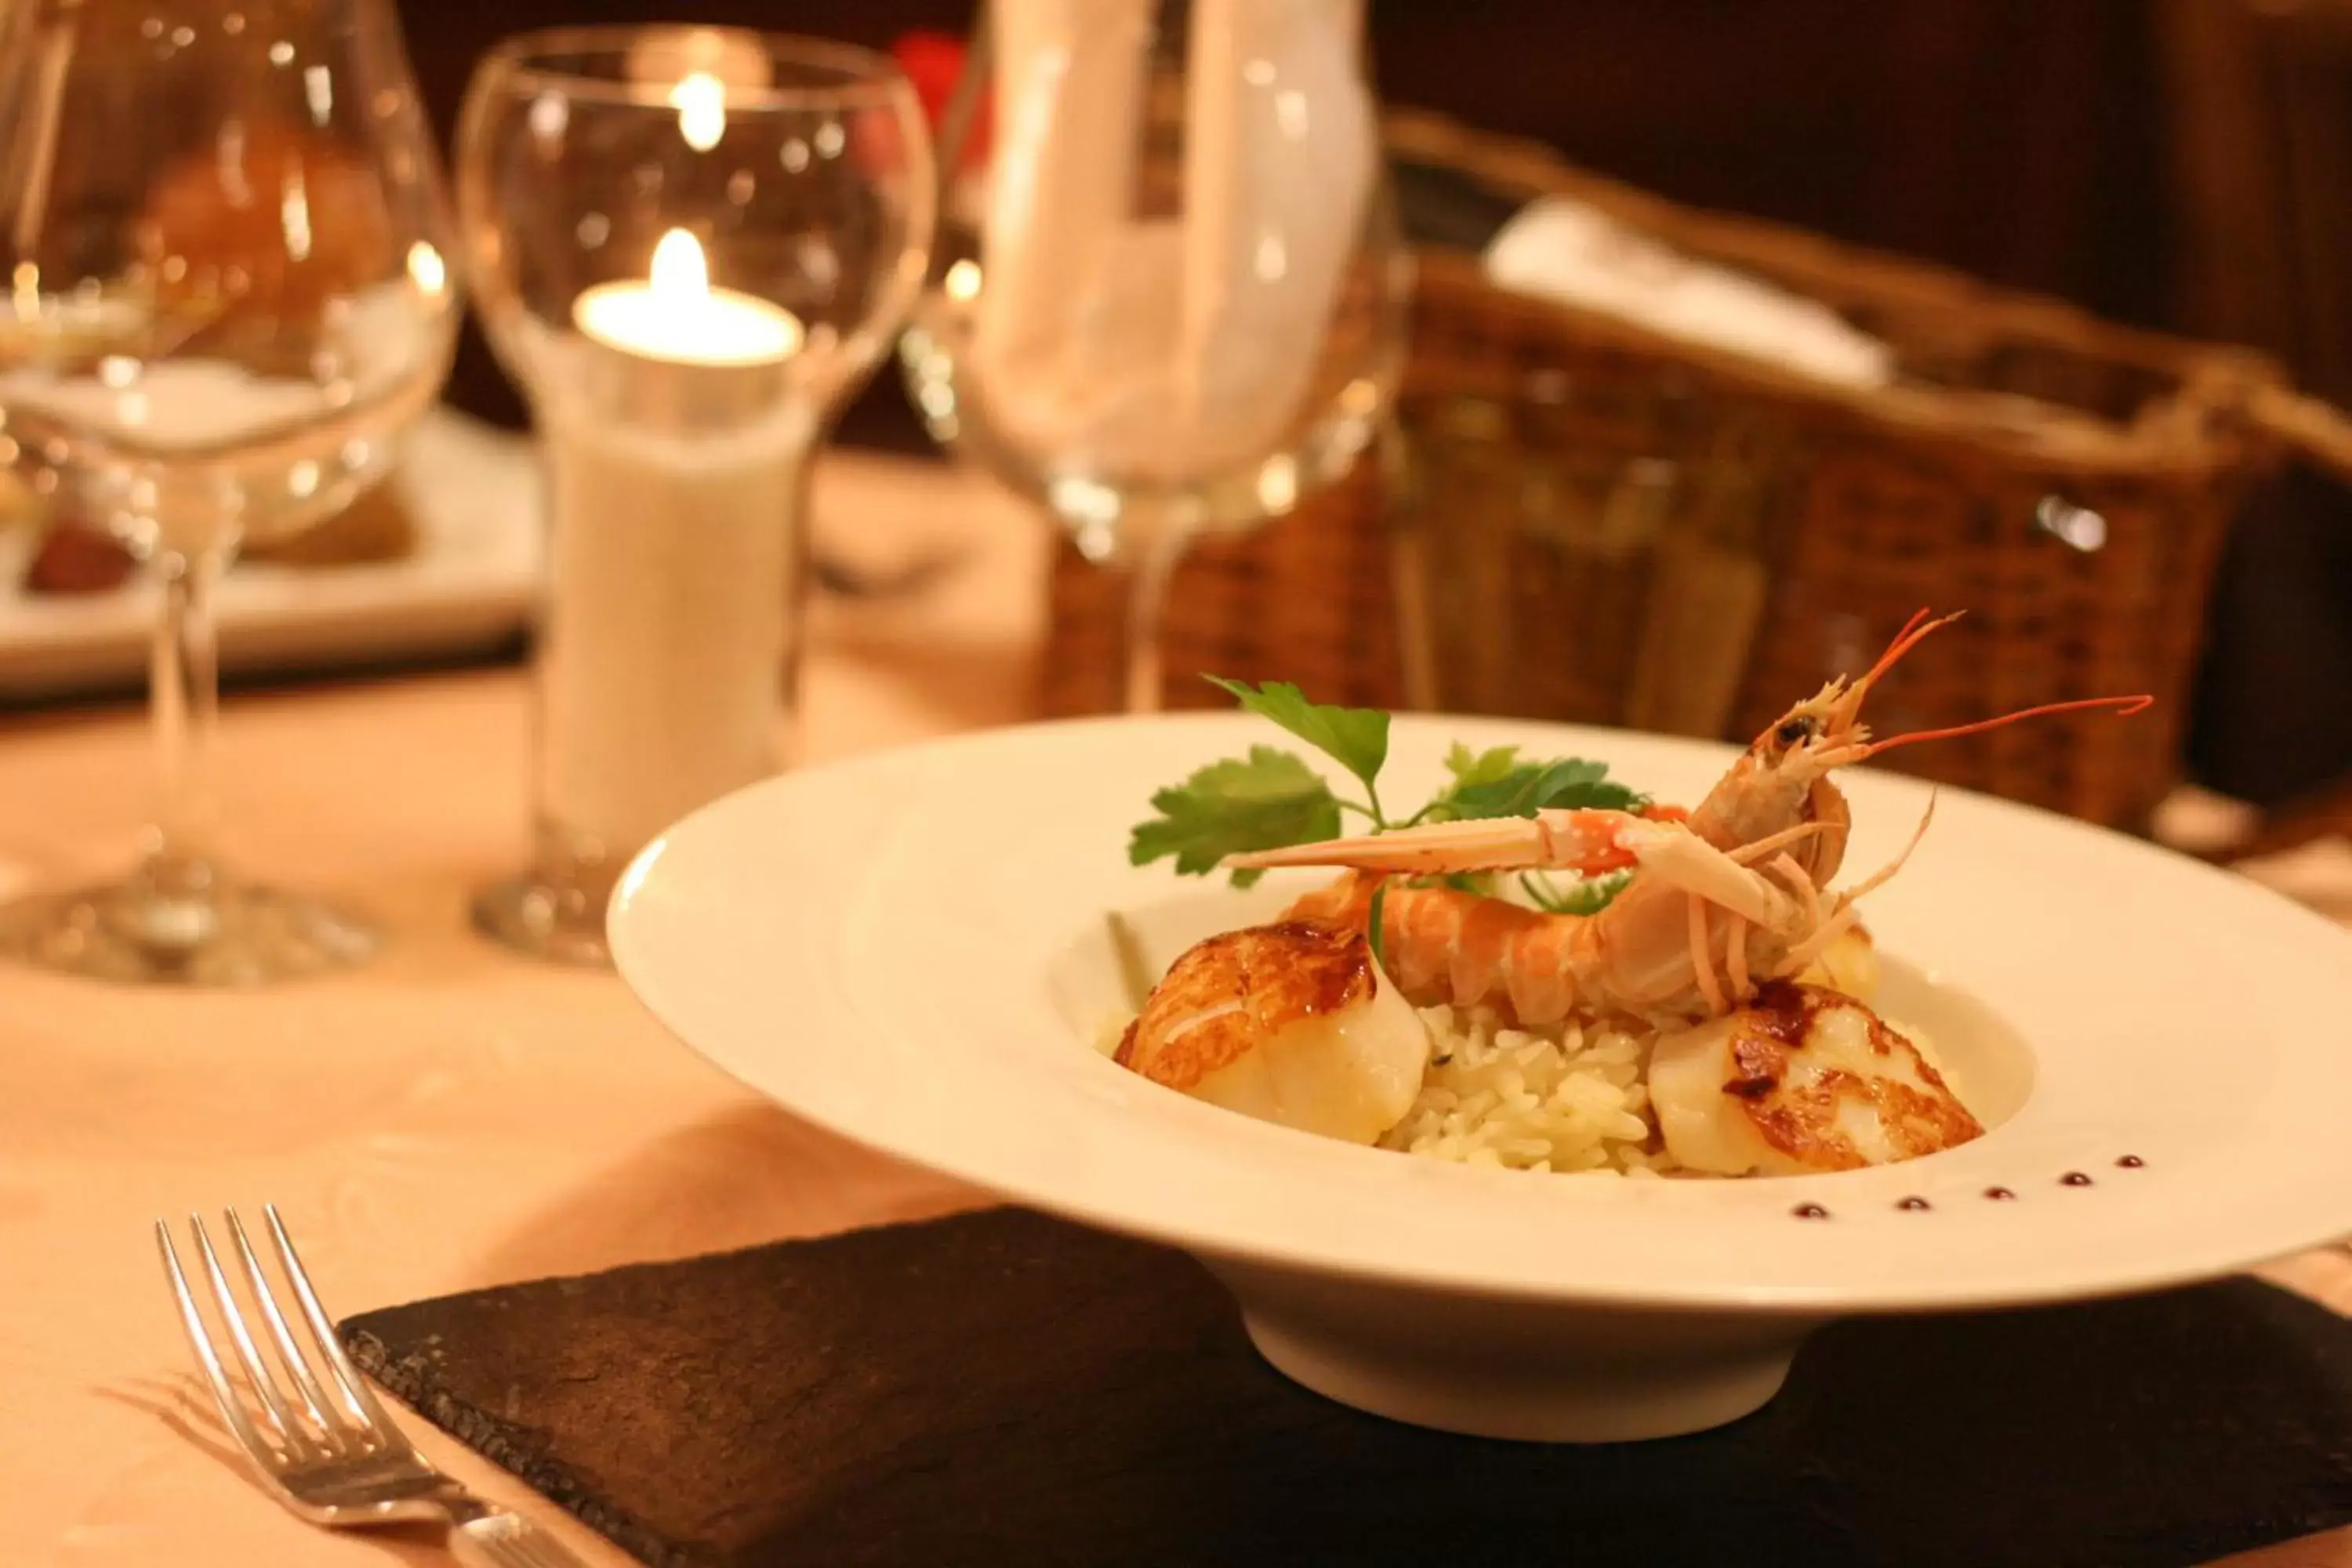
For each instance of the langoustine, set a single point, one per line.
(1736, 896)
(1727, 941)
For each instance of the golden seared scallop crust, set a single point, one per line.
(1839, 1093)
(1225, 995)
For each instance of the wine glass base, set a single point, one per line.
(229, 936)
(544, 919)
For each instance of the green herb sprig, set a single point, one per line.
(1271, 799)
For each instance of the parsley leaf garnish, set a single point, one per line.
(1355, 737)
(1270, 800)
(1490, 766)
(1489, 787)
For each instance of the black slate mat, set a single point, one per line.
(1002, 1388)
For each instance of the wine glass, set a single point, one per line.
(227, 296)
(1170, 298)
(691, 247)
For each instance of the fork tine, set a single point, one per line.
(341, 1434)
(200, 1339)
(286, 1426)
(356, 1396)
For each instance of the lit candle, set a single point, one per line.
(675, 455)
(677, 315)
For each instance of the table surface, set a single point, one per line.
(450, 1117)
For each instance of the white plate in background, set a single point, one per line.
(473, 493)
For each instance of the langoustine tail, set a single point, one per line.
(1441, 945)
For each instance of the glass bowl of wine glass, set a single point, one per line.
(1169, 294)
(225, 242)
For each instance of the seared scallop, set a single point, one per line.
(1803, 1079)
(1292, 1023)
(1850, 963)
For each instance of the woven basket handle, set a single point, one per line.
(2315, 429)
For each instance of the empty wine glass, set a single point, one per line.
(1170, 299)
(227, 295)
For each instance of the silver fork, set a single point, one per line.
(335, 1459)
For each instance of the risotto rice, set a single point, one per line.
(1565, 1098)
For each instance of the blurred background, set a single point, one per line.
(2181, 165)
(2021, 141)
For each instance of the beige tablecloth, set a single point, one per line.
(448, 1118)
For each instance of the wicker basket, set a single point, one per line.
(1576, 518)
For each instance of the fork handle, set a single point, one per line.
(508, 1541)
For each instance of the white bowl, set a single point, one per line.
(910, 950)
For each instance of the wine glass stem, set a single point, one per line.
(185, 683)
(1147, 612)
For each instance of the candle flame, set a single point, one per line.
(677, 316)
(427, 270)
(700, 99)
(680, 272)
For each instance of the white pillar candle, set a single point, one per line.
(672, 492)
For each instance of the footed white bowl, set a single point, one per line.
(911, 949)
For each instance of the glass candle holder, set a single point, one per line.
(691, 247)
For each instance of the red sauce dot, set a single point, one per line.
(2131, 1161)
(1809, 1211)
(1914, 1205)
(2076, 1179)
(1999, 1194)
